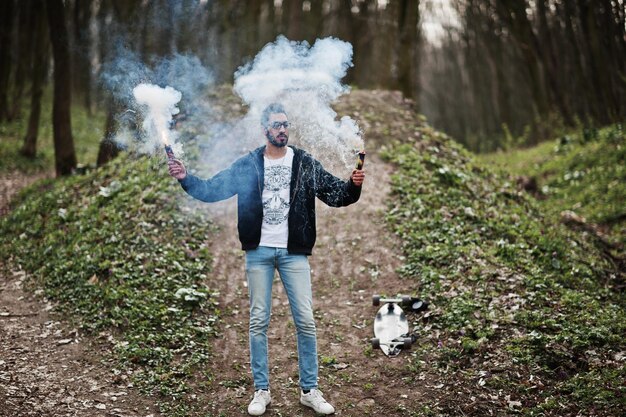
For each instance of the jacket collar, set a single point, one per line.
(258, 153)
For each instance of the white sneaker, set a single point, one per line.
(316, 401)
(259, 402)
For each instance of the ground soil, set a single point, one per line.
(354, 257)
(47, 368)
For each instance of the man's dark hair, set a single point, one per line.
(271, 109)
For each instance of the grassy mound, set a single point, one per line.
(583, 172)
(115, 251)
(526, 316)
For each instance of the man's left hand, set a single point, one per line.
(357, 177)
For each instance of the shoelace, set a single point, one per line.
(257, 397)
(317, 397)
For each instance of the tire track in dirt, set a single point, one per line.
(354, 257)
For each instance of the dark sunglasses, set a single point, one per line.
(277, 125)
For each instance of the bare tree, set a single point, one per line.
(408, 17)
(108, 149)
(81, 62)
(64, 154)
(25, 22)
(6, 31)
(41, 57)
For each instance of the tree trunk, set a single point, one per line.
(292, 15)
(314, 22)
(368, 68)
(344, 28)
(579, 75)
(40, 70)
(26, 19)
(267, 23)
(64, 154)
(513, 12)
(82, 38)
(551, 64)
(253, 32)
(108, 149)
(408, 16)
(6, 31)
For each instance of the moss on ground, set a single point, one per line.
(526, 312)
(116, 252)
(584, 172)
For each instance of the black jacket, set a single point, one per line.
(245, 178)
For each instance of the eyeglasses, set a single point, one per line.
(277, 125)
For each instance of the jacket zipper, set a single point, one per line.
(258, 176)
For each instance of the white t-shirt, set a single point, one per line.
(276, 200)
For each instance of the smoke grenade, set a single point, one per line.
(360, 160)
(169, 152)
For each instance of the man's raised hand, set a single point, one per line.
(357, 177)
(176, 169)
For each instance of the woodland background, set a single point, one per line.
(120, 296)
(492, 74)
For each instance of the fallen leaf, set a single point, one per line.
(513, 404)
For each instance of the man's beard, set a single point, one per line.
(273, 139)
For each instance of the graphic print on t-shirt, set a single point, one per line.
(277, 180)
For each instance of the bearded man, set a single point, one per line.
(276, 186)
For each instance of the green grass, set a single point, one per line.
(512, 288)
(584, 172)
(87, 131)
(115, 251)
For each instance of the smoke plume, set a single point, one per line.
(158, 105)
(147, 95)
(306, 80)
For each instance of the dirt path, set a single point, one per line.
(12, 182)
(354, 258)
(46, 367)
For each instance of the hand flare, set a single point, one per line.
(360, 160)
(169, 152)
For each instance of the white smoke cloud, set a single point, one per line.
(306, 80)
(158, 105)
(187, 81)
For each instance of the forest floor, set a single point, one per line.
(354, 257)
(48, 368)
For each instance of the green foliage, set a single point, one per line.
(584, 172)
(87, 131)
(327, 360)
(510, 286)
(117, 253)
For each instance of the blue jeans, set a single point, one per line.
(295, 274)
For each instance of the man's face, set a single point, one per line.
(277, 129)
